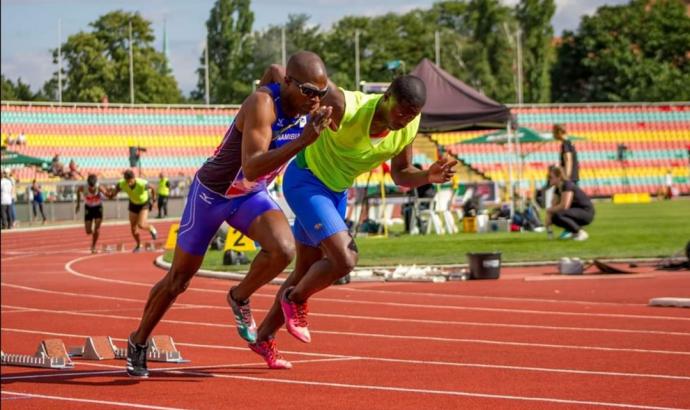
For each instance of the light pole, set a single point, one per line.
(357, 58)
(437, 42)
(207, 93)
(131, 67)
(59, 60)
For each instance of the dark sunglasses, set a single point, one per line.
(309, 91)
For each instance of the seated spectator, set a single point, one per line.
(10, 141)
(571, 208)
(73, 171)
(21, 139)
(57, 168)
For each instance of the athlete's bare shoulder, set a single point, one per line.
(259, 105)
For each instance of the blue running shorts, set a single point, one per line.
(319, 212)
(206, 210)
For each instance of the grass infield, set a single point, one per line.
(657, 229)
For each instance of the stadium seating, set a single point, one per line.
(177, 140)
(657, 138)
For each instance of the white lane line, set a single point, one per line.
(429, 391)
(74, 399)
(68, 267)
(121, 370)
(481, 297)
(189, 371)
(378, 335)
(373, 318)
(402, 361)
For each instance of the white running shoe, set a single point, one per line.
(581, 235)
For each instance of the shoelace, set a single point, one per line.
(246, 312)
(139, 355)
(301, 310)
(271, 351)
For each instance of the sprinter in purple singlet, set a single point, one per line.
(269, 129)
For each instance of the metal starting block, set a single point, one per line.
(95, 348)
(51, 354)
(153, 246)
(161, 349)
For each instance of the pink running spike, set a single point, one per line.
(295, 317)
(269, 352)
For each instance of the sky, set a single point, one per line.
(29, 28)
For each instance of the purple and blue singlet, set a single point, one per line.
(220, 192)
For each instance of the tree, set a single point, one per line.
(474, 46)
(633, 52)
(97, 63)
(20, 91)
(230, 52)
(534, 17)
(299, 35)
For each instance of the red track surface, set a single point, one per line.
(510, 343)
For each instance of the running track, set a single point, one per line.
(511, 343)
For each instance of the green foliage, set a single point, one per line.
(299, 35)
(230, 46)
(534, 17)
(633, 52)
(97, 63)
(19, 91)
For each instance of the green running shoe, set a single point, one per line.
(246, 326)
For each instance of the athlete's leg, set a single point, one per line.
(96, 233)
(87, 226)
(272, 231)
(306, 257)
(341, 257)
(143, 223)
(200, 221)
(133, 218)
(164, 293)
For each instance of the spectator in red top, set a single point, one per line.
(74, 171)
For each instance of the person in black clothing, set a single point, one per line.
(571, 209)
(422, 191)
(568, 155)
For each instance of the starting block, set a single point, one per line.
(121, 247)
(95, 348)
(51, 354)
(161, 349)
(153, 246)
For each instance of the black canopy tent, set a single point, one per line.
(453, 105)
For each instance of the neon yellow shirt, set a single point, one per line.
(164, 187)
(138, 195)
(337, 158)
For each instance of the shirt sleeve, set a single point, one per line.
(568, 146)
(568, 186)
